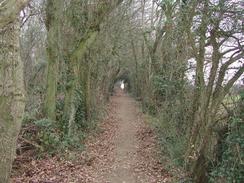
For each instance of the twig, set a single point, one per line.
(31, 143)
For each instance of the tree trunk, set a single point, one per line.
(200, 168)
(136, 69)
(75, 71)
(53, 23)
(11, 96)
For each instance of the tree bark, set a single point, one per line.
(53, 23)
(11, 96)
(76, 69)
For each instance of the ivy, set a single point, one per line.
(231, 166)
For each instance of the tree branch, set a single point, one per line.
(234, 79)
(9, 10)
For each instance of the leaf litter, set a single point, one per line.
(99, 159)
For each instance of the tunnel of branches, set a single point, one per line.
(181, 59)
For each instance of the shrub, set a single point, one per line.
(80, 116)
(231, 164)
(48, 135)
(53, 140)
(172, 141)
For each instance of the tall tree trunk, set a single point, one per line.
(136, 69)
(77, 69)
(11, 96)
(53, 23)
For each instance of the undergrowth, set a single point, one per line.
(230, 167)
(49, 137)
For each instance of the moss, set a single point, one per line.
(84, 45)
(5, 112)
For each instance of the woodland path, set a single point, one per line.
(126, 143)
(122, 151)
(133, 146)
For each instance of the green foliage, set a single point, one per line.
(172, 139)
(53, 136)
(53, 140)
(165, 87)
(48, 135)
(173, 110)
(73, 143)
(80, 105)
(28, 118)
(242, 95)
(150, 108)
(62, 119)
(162, 85)
(231, 166)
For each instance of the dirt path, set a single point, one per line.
(125, 141)
(124, 151)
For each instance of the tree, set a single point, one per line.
(77, 68)
(226, 45)
(12, 100)
(54, 11)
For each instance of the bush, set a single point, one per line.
(53, 140)
(74, 142)
(52, 136)
(172, 141)
(80, 116)
(28, 118)
(231, 166)
(48, 135)
(173, 104)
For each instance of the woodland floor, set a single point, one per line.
(124, 150)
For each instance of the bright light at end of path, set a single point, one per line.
(122, 85)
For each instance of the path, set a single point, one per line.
(126, 143)
(124, 151)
